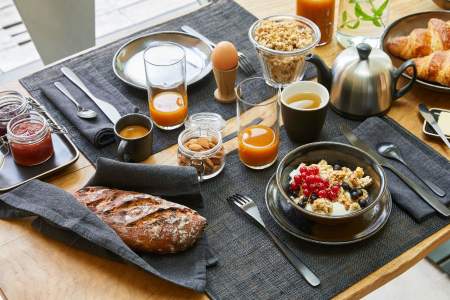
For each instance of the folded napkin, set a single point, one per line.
(424, 160)
(98, 131)
(62, 217)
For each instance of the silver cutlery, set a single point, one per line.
(429, 198)
(244, 62)
(82, 112)
(426, 114)
(250, 208)
(389, 150)
(109, 110)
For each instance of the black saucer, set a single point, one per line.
(338, 234)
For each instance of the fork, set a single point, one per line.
(244, 62)
(250, 208)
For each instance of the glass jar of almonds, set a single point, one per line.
(201, 148)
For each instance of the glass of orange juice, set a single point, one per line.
(165, 70)
(258, 118)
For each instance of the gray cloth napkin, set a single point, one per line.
(62, 217)
(98, 131)
(374, 131)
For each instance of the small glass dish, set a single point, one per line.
(201, 148)
(280, 68)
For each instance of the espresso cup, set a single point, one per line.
(304, 124)
(134, 149)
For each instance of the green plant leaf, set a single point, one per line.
(376, 22)
(351, 1)
(354, 24)
(380, 10)
(359, 12)
(344, 16)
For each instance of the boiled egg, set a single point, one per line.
(224, 56)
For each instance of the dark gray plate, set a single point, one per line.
(128, 62)
(12, 175)
(337, 234)
(404, 26)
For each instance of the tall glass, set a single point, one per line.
(320, 12)
(258, 118)
(165, 69)
(361, 21)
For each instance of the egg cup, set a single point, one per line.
(225, 80)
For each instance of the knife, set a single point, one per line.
(429, 198)
(428, 116)
(108, 109)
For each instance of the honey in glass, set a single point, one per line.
(320, 12)
(168, 108)
(258, 146)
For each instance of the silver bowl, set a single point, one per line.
(280, 68)
(333, 153)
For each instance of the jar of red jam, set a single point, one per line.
(11, 104)
(30, 139)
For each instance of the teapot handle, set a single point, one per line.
(398, 72)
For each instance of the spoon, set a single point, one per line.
(391, 151)
(81, 111)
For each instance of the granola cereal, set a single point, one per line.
(283, 36)
(329, 189)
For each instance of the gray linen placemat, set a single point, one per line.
(221, 20)
(62, 217)
(251, 267)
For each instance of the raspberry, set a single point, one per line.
(335, 188)
(314, 170)
(306, 192)
(297, 179)
(304, 185)
(303, 169)
(322, 194)
(310, 179)
(293, 186)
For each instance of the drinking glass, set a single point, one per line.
(361, 21)
(165, 70)
(320, 12)
(258, 118)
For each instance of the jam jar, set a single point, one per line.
(11, 104)
(201, 148)
(30, 139)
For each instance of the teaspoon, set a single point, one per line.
(81, 111)
(391, 151)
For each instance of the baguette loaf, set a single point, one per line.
(144, 222)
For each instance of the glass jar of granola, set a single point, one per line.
(281, 44)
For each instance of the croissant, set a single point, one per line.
(434, 67)
(422, 42)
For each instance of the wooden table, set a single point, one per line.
(35, 267)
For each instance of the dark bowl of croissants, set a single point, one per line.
(425, 38)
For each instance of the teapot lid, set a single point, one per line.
(364, 59)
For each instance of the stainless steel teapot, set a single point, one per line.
(362, 81)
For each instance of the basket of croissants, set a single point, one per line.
(429, 48)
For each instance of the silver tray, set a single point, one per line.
(347, 233)
(404, 26)
(66, 153)
(128, 62)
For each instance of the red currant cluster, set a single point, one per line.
(310, 182)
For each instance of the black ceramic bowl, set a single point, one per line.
(333, 153)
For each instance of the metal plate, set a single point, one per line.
(404, 26)
(337, 234)
(427, 129)
(12, 175)
(128, 62)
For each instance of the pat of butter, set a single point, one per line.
(444, 122)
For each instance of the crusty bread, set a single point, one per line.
(144, 222)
